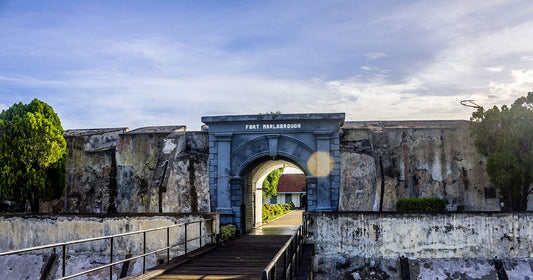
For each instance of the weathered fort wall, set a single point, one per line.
(165, 169)
(346, 243)
(412, 159)
(162, 171)
(19, 232)
(149, 170)
(90, 171)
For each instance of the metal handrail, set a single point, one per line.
(292, 255)
(112, 237)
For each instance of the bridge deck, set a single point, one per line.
(243, 258)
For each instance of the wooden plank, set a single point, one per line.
(207, 277)
(214, 270)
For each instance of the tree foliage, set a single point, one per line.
(278, 112)
(270, 184)
(505, 137)
(32, 154)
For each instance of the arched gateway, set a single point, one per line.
(244, 148)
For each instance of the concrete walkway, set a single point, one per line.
(283, 225)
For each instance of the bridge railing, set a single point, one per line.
(285, 264)
(187, 239)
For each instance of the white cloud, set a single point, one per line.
(494, 69)
(382, 101)
(507, 92)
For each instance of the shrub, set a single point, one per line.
(272, 211)
(421, 204)
(278, 209)
(290, 205)
(227, 231)
(268, 208)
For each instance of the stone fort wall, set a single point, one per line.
(165, 169)
(148, 170)
(412, 159)
(364, 245)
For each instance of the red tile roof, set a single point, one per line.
(291, 183)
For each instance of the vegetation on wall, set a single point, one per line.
(270, 184)
(505, 137)
(278, 112)
(421, 204)
(32, 154)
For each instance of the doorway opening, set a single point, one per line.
(291, 188)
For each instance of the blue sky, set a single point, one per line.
(143, 63)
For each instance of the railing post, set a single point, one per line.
(302, 243)
(294, 254)
(111, 259)
(285, 264)
(200, 233)
(144, 252)
(168, 244)
(298, 248)
(186, 238)
(64, 260)
(213, 230)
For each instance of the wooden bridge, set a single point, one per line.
(275, 251)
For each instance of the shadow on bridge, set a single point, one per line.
(272, 251)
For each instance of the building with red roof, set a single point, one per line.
(291, 187)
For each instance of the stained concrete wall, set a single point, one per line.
(343, 242)
(90, 172)
(412, 159)
(162, 172)
(165, 169)
(18, 232)
(147, 170)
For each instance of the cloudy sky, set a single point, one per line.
(143, 63)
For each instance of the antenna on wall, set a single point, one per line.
(470, 103)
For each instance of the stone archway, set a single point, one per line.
(238, 144)
(253, 184)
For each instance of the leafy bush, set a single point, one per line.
(421, 204)
(290, 205)
(278, 209)
(268, 209)
(227, 231)
(272, 211)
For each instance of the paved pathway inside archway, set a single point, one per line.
(283, 225)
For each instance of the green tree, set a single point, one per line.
(270, 184)
(505, 137)
(32, 154)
